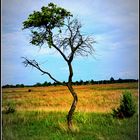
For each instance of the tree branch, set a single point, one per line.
(52, 43)
(33, 63)
(62, 54)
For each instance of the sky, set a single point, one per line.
(114, 25)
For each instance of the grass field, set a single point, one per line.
(41, 113)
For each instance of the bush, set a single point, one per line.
(9, 108)
(127, 106)
(29, 90)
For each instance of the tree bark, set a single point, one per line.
(73, 106)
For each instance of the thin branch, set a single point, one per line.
(52, 43)
(34, 64)
(71, 34)
(62, 54)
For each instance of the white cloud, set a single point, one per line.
(113, 23)
(128, 74)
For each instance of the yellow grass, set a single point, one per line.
(92, 98)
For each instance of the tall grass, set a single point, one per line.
(58, 98)
(37, 125)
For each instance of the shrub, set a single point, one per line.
(29, 90)
(127, 106)
(10, 108)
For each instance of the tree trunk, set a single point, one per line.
(73, 106)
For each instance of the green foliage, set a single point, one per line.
(9, 108)
(127, 106)
(44, 21)
(50, 17)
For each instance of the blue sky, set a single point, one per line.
(114, 25)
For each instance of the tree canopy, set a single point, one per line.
(44, 21)
(49, 17)
(56, 27)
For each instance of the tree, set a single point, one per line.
(127, 106)
(81, 82)
(112, 80)
(56, 27)
(37, 84)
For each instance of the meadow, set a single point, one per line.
(41, 113)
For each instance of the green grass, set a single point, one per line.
(41, 125)
(41, 114)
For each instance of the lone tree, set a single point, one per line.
(56, 27)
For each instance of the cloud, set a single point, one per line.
(128, 74)
(114, 25)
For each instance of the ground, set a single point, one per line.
(41, 113)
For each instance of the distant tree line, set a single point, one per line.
(13, 86)
(81, 82)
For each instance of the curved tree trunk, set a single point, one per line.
(73, 106)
